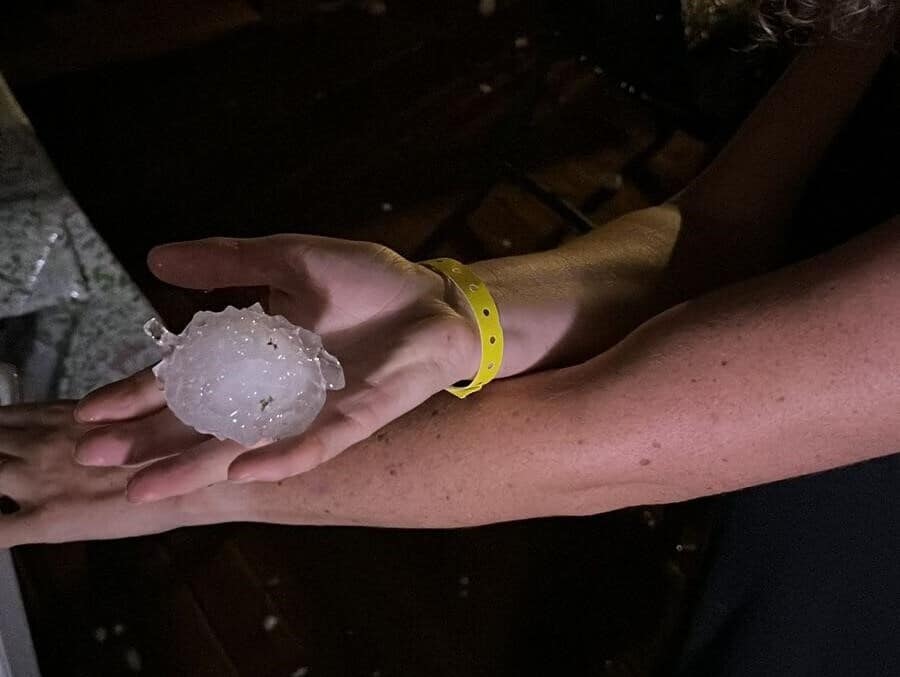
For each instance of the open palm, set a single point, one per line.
(388, 320)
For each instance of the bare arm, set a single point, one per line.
(788, 374)
(726, 226)
(625, 272)
(739, 207)
(784, 375)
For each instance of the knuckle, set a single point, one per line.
(48, 415)
(314, 452)
(60, 411)
(362, 418)
(54, 444)
(289, 262)
(318, 451)
(293, 255)
(221, 244)
(378, 251)
(225, 242)
(453, 339)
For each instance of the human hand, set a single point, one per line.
(60, 500)
(392, 323)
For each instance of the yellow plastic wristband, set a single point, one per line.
(486, 317)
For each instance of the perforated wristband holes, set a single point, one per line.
(486, 311)
(492, 340)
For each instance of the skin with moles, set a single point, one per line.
(780, 377)
(783, 375)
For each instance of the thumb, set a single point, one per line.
(213, 263)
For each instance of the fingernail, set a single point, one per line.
(153, 253)
(145, 498)
(91, 460)
(138, 496)
(81, 415)
(84, 457)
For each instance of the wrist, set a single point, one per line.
(509, 313)
(566, 305)
(459, 341)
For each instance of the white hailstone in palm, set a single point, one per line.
(243, 375)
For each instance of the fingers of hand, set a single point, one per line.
(198, 467)
(219, 262)
(295, 455)
(41, 414)
(25, 443)
(351, 419)
(99, 518)
(137, 395)
(137, 441)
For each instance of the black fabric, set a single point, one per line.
(805, 580)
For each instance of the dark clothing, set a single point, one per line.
(805, 580)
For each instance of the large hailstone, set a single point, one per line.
(243, 375)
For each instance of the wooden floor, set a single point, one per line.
(435, 131)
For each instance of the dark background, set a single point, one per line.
(436, 130)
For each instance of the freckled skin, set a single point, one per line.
(485, 445)
(635, 401)
(824, 335)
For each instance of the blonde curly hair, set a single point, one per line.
(811, 19)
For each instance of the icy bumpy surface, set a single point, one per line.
(244, 375)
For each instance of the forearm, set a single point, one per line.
(726, 226)
(736, 210)
(449, 463)
(789, 374)
(549, 302)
